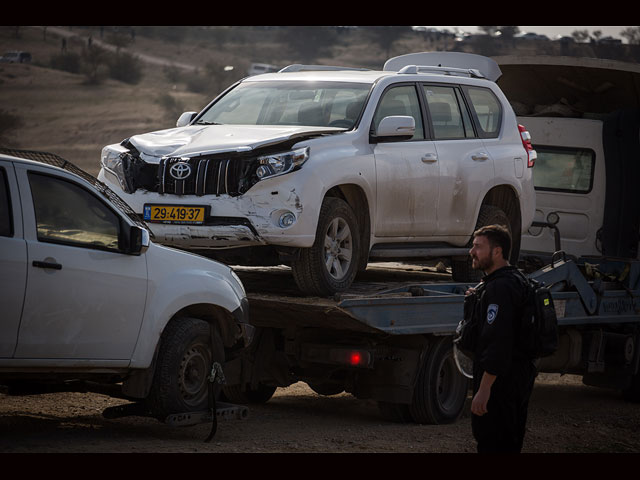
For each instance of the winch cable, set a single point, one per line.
(216, 377)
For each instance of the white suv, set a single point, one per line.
(327, 167)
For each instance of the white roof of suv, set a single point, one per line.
(437, 63)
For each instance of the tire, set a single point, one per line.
(441, 390)
(261, 394)
(331, 264)
(462, 270)
(180, 382)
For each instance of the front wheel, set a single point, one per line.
(181, 379)
(331, 264)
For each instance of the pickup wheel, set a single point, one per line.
(180, 382)
(441, 390)
(461, 268)
(331, 264)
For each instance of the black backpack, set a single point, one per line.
(539, 328)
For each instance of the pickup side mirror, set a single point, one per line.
(185, 119)
(138, 241)
(395, 128)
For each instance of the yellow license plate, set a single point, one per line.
(174, 214)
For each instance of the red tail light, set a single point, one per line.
(526, 142)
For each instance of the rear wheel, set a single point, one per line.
(331, 264)
(180, 382)
(461, 267)
(441, 390)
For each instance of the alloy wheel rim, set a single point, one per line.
(338, 248)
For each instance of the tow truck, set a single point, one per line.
(392, 341)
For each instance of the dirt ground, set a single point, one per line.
(565, 417)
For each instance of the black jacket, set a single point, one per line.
(500, 316)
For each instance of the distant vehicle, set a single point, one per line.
(16, 57)
(259, 68)
(86, 295)
(532, 36)
(610, 41)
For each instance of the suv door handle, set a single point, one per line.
(39, 264)
(429, 158)
(480, 156)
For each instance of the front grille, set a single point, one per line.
(198, 176)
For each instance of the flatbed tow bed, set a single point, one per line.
(389, 338)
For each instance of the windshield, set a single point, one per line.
(321, 104)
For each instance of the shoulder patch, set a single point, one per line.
(492, 313)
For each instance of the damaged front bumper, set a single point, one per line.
(251, 219)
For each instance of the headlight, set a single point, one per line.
(112, 162)
(281, 163)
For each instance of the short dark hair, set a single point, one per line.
(498, 236)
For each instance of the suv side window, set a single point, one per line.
(67, 213)
(486, 109)
(449, 116)
(401, 100)
(6, 221)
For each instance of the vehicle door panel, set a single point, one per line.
(465, 164)
(13, 260)
(407, 173)
(91, 306)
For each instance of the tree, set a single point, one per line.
(385, 37)
(632, 34)
(580, 35)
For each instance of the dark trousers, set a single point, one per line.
(502, 428)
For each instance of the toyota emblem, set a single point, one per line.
(180, 170)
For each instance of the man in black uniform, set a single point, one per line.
(503, 376)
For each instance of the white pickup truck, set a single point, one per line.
(85, 294)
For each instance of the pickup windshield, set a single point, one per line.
(321, 104)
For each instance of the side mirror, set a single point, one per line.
(185, 119)
(138, 240)
(395, 128)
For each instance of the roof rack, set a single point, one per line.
(412, 69)
(57, 161)
(296, 67)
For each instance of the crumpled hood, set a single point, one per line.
(196, 139)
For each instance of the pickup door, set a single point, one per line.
(84, 299)
(13, 260)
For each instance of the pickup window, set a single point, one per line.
(68, 214)
(6, 225)
(562, 169)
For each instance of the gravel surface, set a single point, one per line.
(565, 417)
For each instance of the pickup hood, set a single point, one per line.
(198, 139)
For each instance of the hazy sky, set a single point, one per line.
(551, 32)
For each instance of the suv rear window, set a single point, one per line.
(563, 169)
(486, 109)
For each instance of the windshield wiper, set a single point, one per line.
(207, 123)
